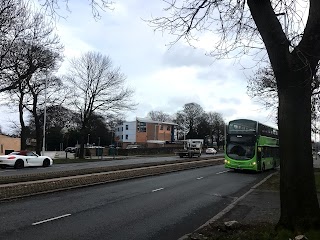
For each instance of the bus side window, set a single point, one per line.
(267, 152)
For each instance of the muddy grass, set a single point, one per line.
(262, 231)
(273, 183)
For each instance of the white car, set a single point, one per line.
(22, 159)
(211, 151)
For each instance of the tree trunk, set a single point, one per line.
(293, 71)
(299, 203)
(23, 136)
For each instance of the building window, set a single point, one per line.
(127, 127)
(127, 137)
(121, 128)
(1, 148)
(118, 129)
(161, 127)
(141, 127)
(121, 136)
(168, 128)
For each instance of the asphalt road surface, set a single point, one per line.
(159, 207)
(73, 166)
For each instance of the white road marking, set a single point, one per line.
(159, 189)
(8, 171)
(51, 219)
(217, 195)
(222, 172)
(199, 178)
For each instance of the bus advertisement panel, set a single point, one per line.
(251, 145)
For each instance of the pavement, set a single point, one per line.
(257, 206)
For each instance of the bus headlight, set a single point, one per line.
(225, 161)
(254, 163)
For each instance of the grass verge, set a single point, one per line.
(273, 183)
(78, 160)
(263, 231)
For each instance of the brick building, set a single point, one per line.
(143, 131)
(9, 144)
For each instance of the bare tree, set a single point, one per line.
(55, 96)
(98, 88)
(262, 86)
(13, 15)
(193, 112)
(159, 116)
(294, 52)
(37, 54)
(216, 123)
(53, 7)
(189, 118)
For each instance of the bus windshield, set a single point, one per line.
(241, 147)
(240, 151)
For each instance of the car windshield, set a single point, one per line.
(16, 153)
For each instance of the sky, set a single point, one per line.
(163, 77)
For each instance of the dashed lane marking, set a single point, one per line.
(156, 190)
(51, 219)
(222, 172)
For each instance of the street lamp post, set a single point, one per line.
(88, 139)
(184, 130)
(44, 116)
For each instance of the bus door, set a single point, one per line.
(259, 155)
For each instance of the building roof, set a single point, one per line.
(148, 120)
(8, 136)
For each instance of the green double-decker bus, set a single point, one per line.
(251, 145)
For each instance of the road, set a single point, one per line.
(73, 166)
(159, 207)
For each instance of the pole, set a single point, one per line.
(44, 116)
(184, 133)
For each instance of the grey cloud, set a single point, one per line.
(180, 55)
(228, 112)
(230, 100)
